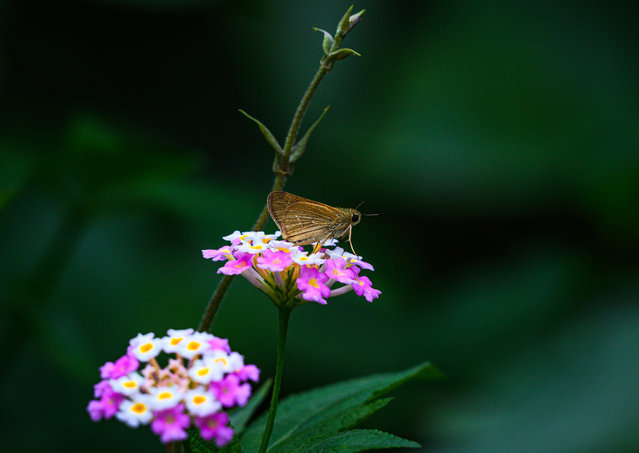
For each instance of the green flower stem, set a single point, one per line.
(284, 313)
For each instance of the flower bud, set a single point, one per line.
(354, 19)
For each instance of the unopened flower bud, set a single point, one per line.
(354, 19)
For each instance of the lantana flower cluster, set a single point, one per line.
(285, 271)
(203, 377)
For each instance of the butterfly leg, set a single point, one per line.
(350, 231)
(319, 245)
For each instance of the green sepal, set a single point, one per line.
(340, 54)
(270, 138)
(300, 146)
(343, 26)
(327, 43)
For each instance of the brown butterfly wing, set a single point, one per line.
(303, 221)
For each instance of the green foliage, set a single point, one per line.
(198, 445)
(320, 414)
(353, 441)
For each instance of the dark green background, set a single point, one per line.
(500, 141)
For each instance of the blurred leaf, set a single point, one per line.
(353, 441)
(349, 412)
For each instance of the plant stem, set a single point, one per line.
(214, 303)
(299, 114)
(284, 314)
(278, 184)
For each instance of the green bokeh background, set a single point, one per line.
(500, 140)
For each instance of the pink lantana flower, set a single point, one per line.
(249, 372)
(215, 427)
(220, 254)
(203, 377)
(242, 262)
(363, 286)
(288, 274)
(230, 392)
(274, 261)
(108, 404)
(312, 284)
(123, 366)
(336, 269)
(171, 424)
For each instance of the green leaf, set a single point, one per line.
(199, 445)
(353, 441)
(300, 146)
(240, 416)
(331, 421)
(270, 138)
(296, 413)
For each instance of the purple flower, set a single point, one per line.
(229, 392)
(100, 388)
(363, 285)
(214, 426)
(220, 344)
(242, 262)
(169, 398)
(274, 261)
(248, 372)
(336, 270)
(311, 283)
(217, 255)
(107, 405)
(123, 366)
(171, 423)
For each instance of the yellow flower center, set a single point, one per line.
(164, 395)
(221, 360)
(313, 282)
(203, 372)
(138, 408)
(146, 347)
(199, 399)
(194, 346)
(175, 341)
(130, 384)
